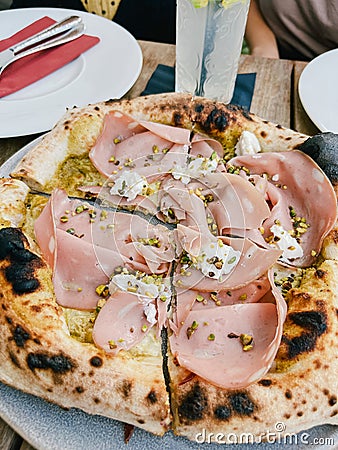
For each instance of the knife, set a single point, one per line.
(59, 33)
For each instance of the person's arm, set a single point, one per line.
(259, 37)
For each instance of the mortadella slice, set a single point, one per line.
(217, 337)
(212, 343)
(116, 127)
(80, 268)
(297, 182)
(121, 323)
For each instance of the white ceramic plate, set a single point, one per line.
(47, 427)
(318, 91)
(107, 70)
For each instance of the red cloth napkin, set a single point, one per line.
(31, 68)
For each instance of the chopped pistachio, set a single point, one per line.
(232, 260)
(112, 344)
(102, 290)
(190, 330)
(211, 337)
(246, 341)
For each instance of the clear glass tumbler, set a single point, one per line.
(209, 38)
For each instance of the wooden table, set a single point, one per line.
(275, 98)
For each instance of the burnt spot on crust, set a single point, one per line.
(96, 361)
(332, 400)
(79, 389)
(300, 344)
(314, 321)
(288, 394)
(152, 397)
(215, 117)
(20, 272)
(20, 336)
(241, 403)
(314, 324)
(177, 119)
(222, 412)
(125, 388)
(58, 364)
(194, 404)
(265, 382)
(320, 273)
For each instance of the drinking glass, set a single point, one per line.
(209, 38)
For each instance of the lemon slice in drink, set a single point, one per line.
(200, 3)
(227, 3)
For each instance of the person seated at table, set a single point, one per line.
(292, 29)
(149, 20)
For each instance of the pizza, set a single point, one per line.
(172, 263)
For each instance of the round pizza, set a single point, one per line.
(172, 263)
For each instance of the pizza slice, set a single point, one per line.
(57, 298)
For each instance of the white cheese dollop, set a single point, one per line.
(247, 144)
(130, 185)
(216, 259)
(150, 313)
(130, 283)
(147, 291)
(287, 243)
(195, 168)
(152, 287)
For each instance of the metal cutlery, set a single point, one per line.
(57, 34)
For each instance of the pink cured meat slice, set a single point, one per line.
(79, 269)
(215, 342)
(308, 191)
(121, 323)
(115, 126)
(232, 367)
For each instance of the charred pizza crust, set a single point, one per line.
(45, 361)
